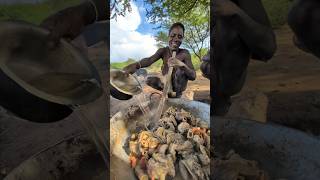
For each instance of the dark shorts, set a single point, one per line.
(179, 82)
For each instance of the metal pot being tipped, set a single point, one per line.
(39, 83)
(123, 86)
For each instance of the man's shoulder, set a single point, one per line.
(162, 50)
(184, 51)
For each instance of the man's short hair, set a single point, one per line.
(177, 24)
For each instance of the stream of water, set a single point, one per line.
(97, 134)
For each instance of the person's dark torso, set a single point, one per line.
(304, 18)
(179, 79)
(231, 53)
(180, 54)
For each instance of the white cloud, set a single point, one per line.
(126, 42)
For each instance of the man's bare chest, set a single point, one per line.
(180, 55)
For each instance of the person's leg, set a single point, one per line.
(227, 81)
(155, 82)
(221, 105)
(179, 83)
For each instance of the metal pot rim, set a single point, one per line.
(93, 95)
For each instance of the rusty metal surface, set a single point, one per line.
(120, 129)
(59, 75)
(62, 161)
(282, 152)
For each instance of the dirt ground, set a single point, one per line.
(201, 88)
(290, 80)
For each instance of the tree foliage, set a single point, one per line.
(164, 10)
(119, 8)
(162, 39)
(196, 38)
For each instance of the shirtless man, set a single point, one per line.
(242, 32)
(304, 18)
(183, 67)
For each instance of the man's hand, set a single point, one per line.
(69, 23)
(131, 68)
(172, 62)
(225, 8)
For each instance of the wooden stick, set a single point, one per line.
(168, 83)
(166, 89)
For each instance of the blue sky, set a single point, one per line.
(145, 27)
(132, 36)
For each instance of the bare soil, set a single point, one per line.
(291, 82)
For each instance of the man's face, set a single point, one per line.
(175, 37)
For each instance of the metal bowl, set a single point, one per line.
(123, 86)
(121, 128)
(74, 158)
(39, 78)
(282, 152)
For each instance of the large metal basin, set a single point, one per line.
(282, 152)
(75, 158)
(120, 130)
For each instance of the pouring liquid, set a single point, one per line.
(166, 90)
(143, 105)
(96, 134)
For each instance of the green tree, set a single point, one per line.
(164, 10)
(119, 8)
(196, 37)
(162, 39)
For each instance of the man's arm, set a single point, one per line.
(252, 23)
(254, 27)
(145, 62)
(189, 69)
